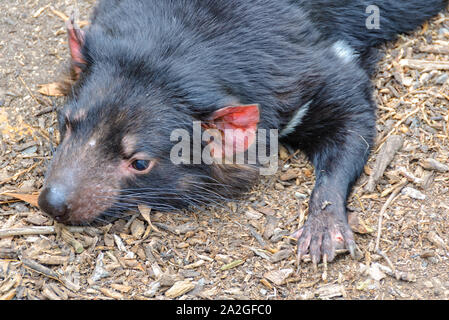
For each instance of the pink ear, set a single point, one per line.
(237, 125)
(76, 42)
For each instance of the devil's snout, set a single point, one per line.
(53, 201)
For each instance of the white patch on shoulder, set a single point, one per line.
(344, 51)
(92, 142)
(296, 120)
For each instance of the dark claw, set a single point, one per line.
(322, 235)
(351, 248)
(328, 247)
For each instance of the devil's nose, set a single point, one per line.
(53, 201)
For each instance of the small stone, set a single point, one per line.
(300, 196)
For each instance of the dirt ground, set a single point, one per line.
(242, 251)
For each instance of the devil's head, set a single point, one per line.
(116, 129)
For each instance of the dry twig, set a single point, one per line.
(384, 208)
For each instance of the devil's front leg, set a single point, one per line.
(337, 137)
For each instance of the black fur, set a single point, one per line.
(155, 66)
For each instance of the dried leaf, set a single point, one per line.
(28, 198)
(145, 211)
(53, 89)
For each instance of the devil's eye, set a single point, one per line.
(141, 165)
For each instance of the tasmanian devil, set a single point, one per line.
(144, 69)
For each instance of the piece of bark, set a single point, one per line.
(26, 231)
(9, 253)
(436, 240)
(270, 225)
(278, 277)
(386, 154)
(179, 288)
(40, 268)
(424, 64)
(438, 49)
(281, 255)
(432, 164)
